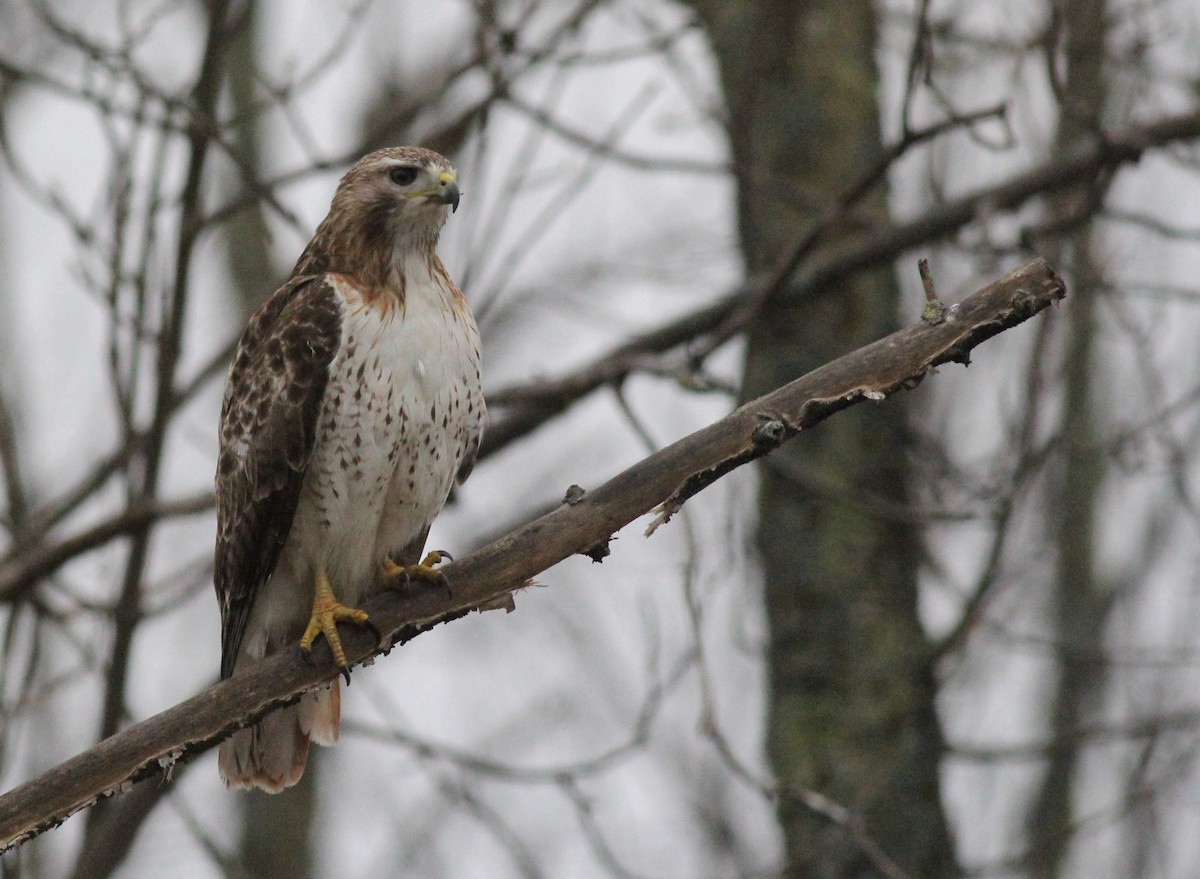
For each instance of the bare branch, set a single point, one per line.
(527, 407)
(485, 578)
(26, 570)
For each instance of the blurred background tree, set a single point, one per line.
(851, 707)
(950, 634)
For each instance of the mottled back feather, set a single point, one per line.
(268, 427)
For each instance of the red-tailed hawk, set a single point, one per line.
(352, 403)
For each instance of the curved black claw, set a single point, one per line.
(374, 630)
(436, 557)
(306, 653)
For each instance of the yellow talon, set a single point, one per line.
(326, 614)
(394, 575)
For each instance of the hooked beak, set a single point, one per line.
(447, 191)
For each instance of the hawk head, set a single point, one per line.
(391, 202)
(400, 187)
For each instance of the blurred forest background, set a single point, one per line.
(952, 634)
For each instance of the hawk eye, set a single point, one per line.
(403, 175)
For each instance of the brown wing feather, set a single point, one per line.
(268, 426)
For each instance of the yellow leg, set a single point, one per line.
(394, 575)
(326, 614)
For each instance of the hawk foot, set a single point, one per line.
(327, 612)
(394, 576)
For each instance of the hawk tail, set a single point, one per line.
(270, 755)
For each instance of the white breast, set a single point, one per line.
(402, 409)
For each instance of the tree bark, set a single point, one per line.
(1080, 600)
(851, 701)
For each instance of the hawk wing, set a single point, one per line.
(269, 419)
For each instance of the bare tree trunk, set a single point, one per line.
(277, 831)
(1080, 600)
(245, 234)
(852, 692)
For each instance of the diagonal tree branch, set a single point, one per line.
(485, 579)
(521, 409)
